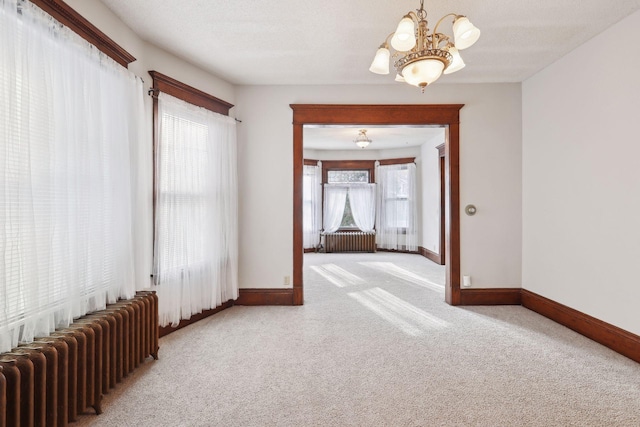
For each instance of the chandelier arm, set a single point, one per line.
(385, 43)
(437, 38)
(413, 16)
(435, 29)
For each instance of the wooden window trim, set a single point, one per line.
(402, 161)
(369, 165)
(67, 16)
(173, 87)
(310, 162)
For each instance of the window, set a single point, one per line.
(397, 208)
(181, 192)
(311, 211)
(343, 176)
(196, 218)
(347, 176)
(65, 176)
(397, 199)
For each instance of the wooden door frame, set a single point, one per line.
(337, 114)
(443, 219)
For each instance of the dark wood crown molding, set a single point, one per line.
(402, 161)
(410, 114)
(67, 16)
(348, 164)
(173, 87)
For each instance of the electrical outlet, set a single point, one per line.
(466, 281)
(287, 280)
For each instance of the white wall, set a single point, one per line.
(430, 197)
(490, 173)
(581, 178)
(490, 158)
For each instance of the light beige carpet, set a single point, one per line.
(375, 345)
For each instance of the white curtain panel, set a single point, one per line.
(69, 116)
(362, 199)
(196, 226)
(312, 205)
(396, 225)
(335, 197)
(142, 193)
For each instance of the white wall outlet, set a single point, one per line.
(287, 280)
(466, 281)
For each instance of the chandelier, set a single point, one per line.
(422, 57)
(362, 140)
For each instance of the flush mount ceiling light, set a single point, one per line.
(422, 56)
(362, 140)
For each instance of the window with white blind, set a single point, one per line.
(181, 192)
(68, 116)
(396, 222)
(311, 205)
(397, 202)
(196, 224)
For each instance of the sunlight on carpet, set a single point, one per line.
(407, 317)
(337, 275)
(401, 273)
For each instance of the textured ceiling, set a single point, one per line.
(333, 41)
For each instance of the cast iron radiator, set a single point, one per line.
(350, 241)
(52, 380)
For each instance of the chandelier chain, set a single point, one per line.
(421, 13)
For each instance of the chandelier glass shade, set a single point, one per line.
(362, 140)
(421, 56)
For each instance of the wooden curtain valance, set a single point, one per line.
(170, 86)
(402, 161)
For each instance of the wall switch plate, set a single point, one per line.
(287, 280)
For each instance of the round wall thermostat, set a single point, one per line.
(470, 210)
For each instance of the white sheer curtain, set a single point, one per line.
(396, 225)
(196, 226)
(68, 119)
(335, 196)
(312, 205)
(362, 199)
